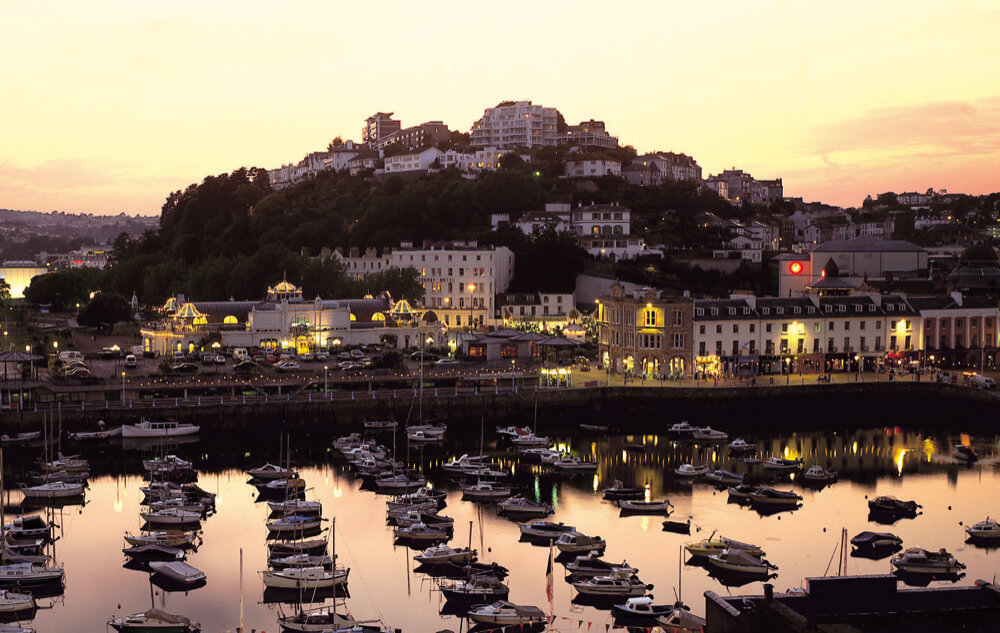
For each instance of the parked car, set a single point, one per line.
(423, 357)
(344, 355)
(306, 357)
(75, 363)
(347, 364)
(207, 359)
(322, 356)
(245, 366)
(131, 362)
(184, 368)
(356, 353)
(364, 362)
(286, 365)
(446, 361)
(220, 359)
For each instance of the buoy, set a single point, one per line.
(824, 529)
(119, 605)
(949, 507)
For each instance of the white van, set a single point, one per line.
(131, 362)
(70, 355)
(241, 354)
(979, 381)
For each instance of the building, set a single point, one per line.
(644, 333)
(957, 331)
(794, 273)
(358, 266)
(378, 126)
(737, 187)
(416, 137)
(547, 310)
(592, 165)
(671, 166)
(419, 161)
(604, 230)
(872, 258)
(334, 159)
(642, 175)
(18, 276)
(364, 160)
(482, 159)
(516, 124)
(588, 135)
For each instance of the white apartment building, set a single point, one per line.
(414, 161)
(603, 230)
(547, 309)
(516, 124)
(335, 159)
(483, 159)
(583, 167)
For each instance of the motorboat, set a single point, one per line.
(178, 571)
(592, 565)
(464, 463)
(171, 516)
(430, 519)
(615, 585)
(633, 506)
(817, 474)
(512, 431)
(915, 560)
(428, 429)
(33, 526)
(26, 574)
(964, 453)
(681, 430)
(94, 436)
(781, 465)
(504, 613)
(154, 552)
(519, 507)
(742, 447)
(550, 457)
(876, 544)
(301, 560)
(316, 620)
(282, 486)
(708, 434)
(53, 490)
(677, 527)
(425, 494)
(619, 491)
(711, 545)
(891, 505)
(288, 548)
(418, 437)
(20, 438)
(420, 533)
(477, 589)
(11, 602)
(594, 428)
(296, 506)
(739, 561)
(690, 470)
(680, 620)
(764, 496)
(398, 509)
(988, 530)
(380, 425)
(577, 542)
(574, 465)
(270, 472)
(293, 524)
(485, 491)
(304, 578)
(640, 608)
(154, 620)
(443, 554)
(168, 428)
(545, 530)
(724, 478)
(399, 483)
(170, 539)
(346, 442)
(540, 454)
(530, 440)
(167, 464)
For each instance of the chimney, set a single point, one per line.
(768, 592)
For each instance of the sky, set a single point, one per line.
(109, 106)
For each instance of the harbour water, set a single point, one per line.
(872, 460)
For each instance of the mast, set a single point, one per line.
(3, 532)
(241, 590)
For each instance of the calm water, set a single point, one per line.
(383, 584)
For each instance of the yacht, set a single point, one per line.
(154, 552)
(420, 532)
(619, 491)
(485, 491)
(169, 428)
(640, 608)
(740, 446)
(443, 554)
(592, 565)
(540, 454)
(292, 524)
(545, 530)
(530, 441)
(764, 496)
(53, 490)
(712, 545)
(321, 619)
(464, 463)
(171, 516)
(724, 478)
(681, 430)
(617, 585)
(88, 436)
(168, 464)
(178, 572)
(689, 470)
(680, 620)
(20, 438)
(781, 465)
(429, 430)
(512, 431)
(297, 507)
(301, 560)
(288, 548)
(399, 508)
(574, 465)
(169, 539)
(503, 612)
(876, 544)
(740, 562)
(816, 474)
(577, 542)
(270, 472)
(154, 620)
(477, 589)
(380, 425)
(399, 483)
(26, 574)
(520, 508)
(988, 530)
(708, 434)
(915, 560)
(304, 578)
(430, 519)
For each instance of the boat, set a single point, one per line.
(689, 470)
(296, 506)
(71, 463)
(915, 560)
(712, 545)
(594, 428)
(380, 425)
(681, 430)
(519, 507)
(988, 530)
(503, 612)
(33, 526)
(476, 589)
(512, 431)
(577, 542)
(781, 465)
(464, 463)
(11, 602)
(640, 608)
(680, 620)
(619, 491)
(540, 454)
(301, 560)
(724, 478)
(398, 509)
(178, 503)
(26, 574)
(740, 562)
(485, 491)
(742, 447)
(592, 565)
(429, 430)
(292, 524)
(443, 554)
(93, 436)
(178, 572)
(152, 621)
(154, 552)
(770, 497)
(161, 491)
(399, 483)
(424, 494)
(530, 440)
(281, 486)
(876, 544)
(170, 539)
(418, 437)
(20, 438)
(287, 548)
(346, 442)
(614, 585)
(708, 434)
(171, 516)
(316, 620)
(816, 474)
(430, 519)
(168, 428)
(420, 532)
(574, 465)
(644, 507)
(23, 546)
(891, 505)
(53, 490)
(964, 453)
(678, 527)
(304, 578)
(545, 530)
(167, 464)
(270, 472)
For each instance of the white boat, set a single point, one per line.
(577, 542)
(711, 545)
(984, 530)
(316, 621)
(15, 628)
(399, 483)
(178, 571)
(171, 516)
(740, 562)
(90, 436)
(503, 612)
(270, 472)
(545, 530)
(574, 465)
(724, 478)
(71, 463)
(304, 578)
(161, 491)
(708, 434)
(291, 524)
(295, 506)
(647, 507)
(301, 560)
(398, 509)
(431, 519)
(20, 438)
(154, 621)
(680, 620)
(478, 589)
(179, 503)
(420, 532)
(11, 602)
(26, 574)
(550, 457)
(33, 526)
(640, 607)
(53, 490)
(169, 539)
(618, 585)
(422, 495)
(519, 507)
(168, 428)
(915, 560)
(770, 497)
(530, 440)
(682, 429)
(346, 442)
(485, 490)
(288, 548)
(690, 470)
(781, 465)
(964, 453)
(380, 425)
(513, 431)
(739, 445)
(282, 486)
(154, 552)
(441, 554)
(592, 565)
(542, 454)
(167, 464)
(418, 437)
(818, 475)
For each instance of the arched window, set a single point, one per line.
(230, 320)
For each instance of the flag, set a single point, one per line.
(548, 576)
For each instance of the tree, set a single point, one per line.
(60, 290)
(336, 142)
(4, 293)
(401, 283)
(105, 307)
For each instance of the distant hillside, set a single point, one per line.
(23, 234)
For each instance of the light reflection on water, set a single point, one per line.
(383, 583)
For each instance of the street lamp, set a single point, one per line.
(326, 370)
(123, 389)
(472, 289)
(857, 361)
(788, 370)
(31, 361)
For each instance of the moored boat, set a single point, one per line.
(20, 438)
(178, 572)
(167, 428)
(712, 545)
(618, 491)
(296, 506)
(91, 436)
(964, 453)
(521, 508)
(170, 539)
(11, 602)
(817, 474)
(640, 608)
(421, 533)
(577, 542)
(875, 544)
(708, 434)
(988, 530)
(503, 612)
(915, 560)
(632, 506)
(380, 425)
(740, 562)
(171, 516)
(443, 554)
(154, 621)
(616, 585)
(475, 589)
(545, 530)
(741, 446)
(891, 505)
(304, 578)
(724, 478)
(53, 490)
(690, 470)
(154, 552)
(293, 524)
(764, 496)
(301, 560)
(592, 565)
(781, 465)
(26, 574)
(574, 465)
(485, 491)
(270, 472)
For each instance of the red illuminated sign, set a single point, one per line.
(795, 268)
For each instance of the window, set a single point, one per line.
(678, 318)
(732, 311)
(906, 342)
(832, 326)
(878, 325)
(753, 346)
(718, 329)
(650, 315)
(878, 343)
(701, 329)
(736, 328)
(784, 328)
(862, 326)
(847, 326)
(753, 327)
(718, 348)
(736, 348)
(701, 348)
(779, 311)
(815, 346)
(767, 328)
(765, 311)
(864, 347)
(892, 325)
(699, 311)
(797, 310)
(678, 341)
(801, 345)
(816, 327)
(829, 345)
(769, 347)
(784, 346)
(841, 308)
(847, 344)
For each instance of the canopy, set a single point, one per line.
(18, 357)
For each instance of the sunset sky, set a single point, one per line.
(109, 106)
